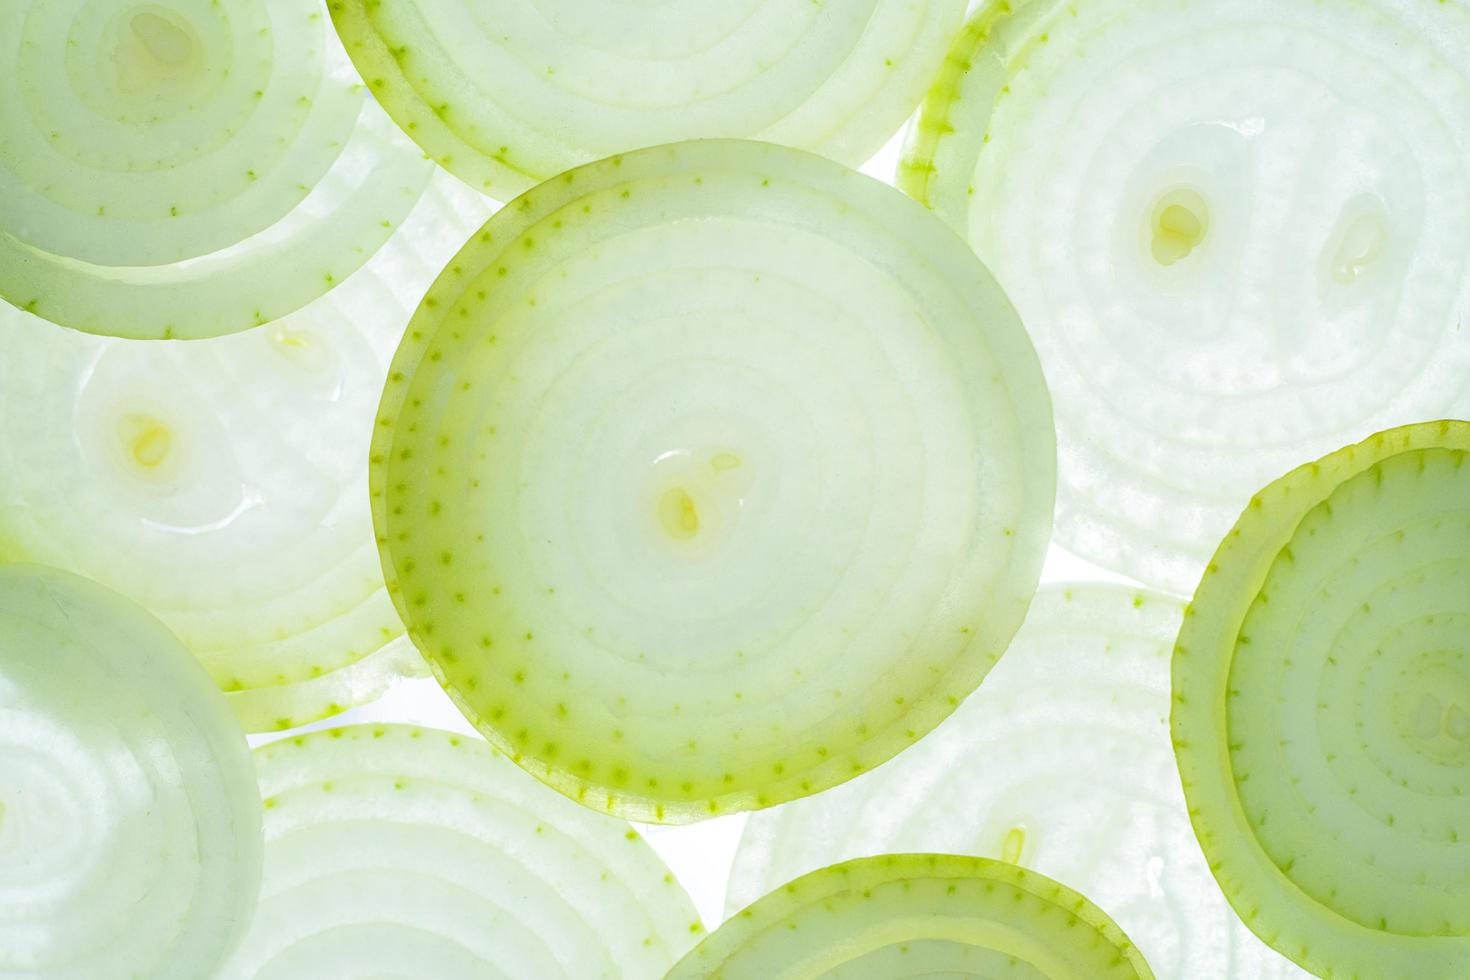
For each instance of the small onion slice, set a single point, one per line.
(187, 168)
(711, 475)
(917, 915)
(1321, 713)
(506, 93)
(222, 483)
(130, 830)
(400, 851)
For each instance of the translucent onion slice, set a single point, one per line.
(1059, 762)
(222, 483)
(130, 840)
(710, 476)
(187, 168)
(400, 851)
(917, 915)
(506, 93)
(1236, 231)
(1321, 712)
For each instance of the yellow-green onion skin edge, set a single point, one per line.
(1328, 891)
(917, 915)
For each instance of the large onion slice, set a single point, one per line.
(917, 915)
(506, 93)
(187, 168)
(399, 851)
(711, 475)
(222, 483)
(130, 840)
(1061, 763)
(1235, 229)
(1322, 709)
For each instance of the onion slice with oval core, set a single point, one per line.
(1235, 230)
(711, 475)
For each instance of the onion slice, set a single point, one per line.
(401, 851)
(1060, 763)
(711, 475)
(222, 483)
(130, 830)
(918, 915)
(1321, 713)
(506, 93)
(1236, 231)
(187, 168)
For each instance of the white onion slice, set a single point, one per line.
(1235, 229)
(506, 93)
(221, 483)
(187, 168)
(918, 916)
(711, 475)
(1060, 762)
(395, 851)
(130, 839)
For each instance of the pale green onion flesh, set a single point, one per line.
(1236, 231)
(394, 851)
(1321, 713)
(711, 475)
(1060, 763)
(918, 915)
(187, 168)
(506, 93)
(222, 483)
(130, 830)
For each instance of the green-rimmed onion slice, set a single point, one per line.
(505, 93)
(1321, 713)
(401, 851)
(917, 915)
(187, 168)
(1235, 230)
(710, 476)
(1061, 763)
(222, 483)
(130, 837)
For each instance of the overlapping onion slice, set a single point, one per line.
(401, 851)
(1236, 231)
(1060, 762)
(187, 168)
(711, 475)
(1321, 711)
(506, 93)
(130, 840)
(222, 484)
(917, 915)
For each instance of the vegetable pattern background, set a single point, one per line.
(734, 488)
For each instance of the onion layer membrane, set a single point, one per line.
(506, 93)
(1321, 714)
(187, 168)
(1236, 231)
(917, 915)
(394, 851)
(1061, 763)
(130, 831)
(222, 483)
(710, 476)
